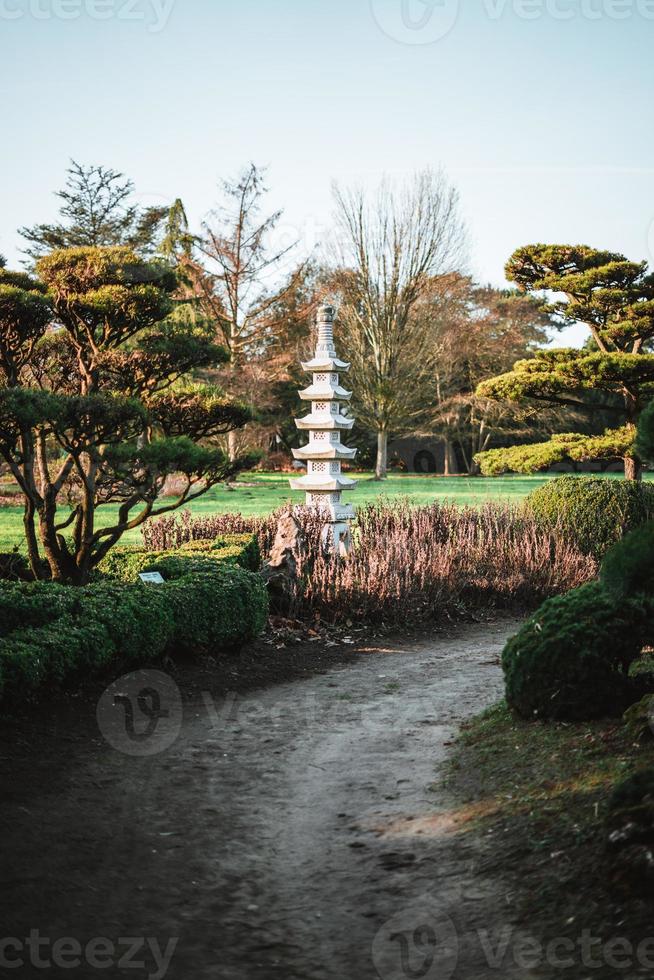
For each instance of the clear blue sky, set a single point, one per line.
(543, 120)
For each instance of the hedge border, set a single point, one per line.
(208, 603)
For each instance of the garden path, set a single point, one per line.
(291, 832)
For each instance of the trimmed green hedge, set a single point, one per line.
(208, 602)
(594, 513)
(571, 659)
(628, 568)
(126, 564)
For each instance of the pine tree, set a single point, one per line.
(97, 210)
(96, 405)
(613, 372)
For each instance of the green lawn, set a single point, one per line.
(270, 490)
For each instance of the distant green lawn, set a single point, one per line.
(270, 490)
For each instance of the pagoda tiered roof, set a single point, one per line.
(323, 391)
(324, 481)
(321, 422)
(328, 450)
(325, 362)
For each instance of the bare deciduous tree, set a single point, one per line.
(393, 247)
(240, 282)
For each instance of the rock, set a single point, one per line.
(280, 571)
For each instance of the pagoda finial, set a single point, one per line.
(324, 453)
(325, 323)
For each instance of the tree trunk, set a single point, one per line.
(381, 465)
(33, 554)
(633, 468)
(62, 569)
(232, 445)
(450, 464)
(30, 536)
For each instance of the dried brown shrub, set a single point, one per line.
(411, 565)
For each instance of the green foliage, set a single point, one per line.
(102, 410)
(569, 446)
(242, 548)
(97, 209)
(126, 564)
(571, 659)
(628, 567)
(551, 372)
(594, 513)
(139, 620)
(202, 411)
(645, 437)
(25, 313)
(211, 600)
(106, 295)
(33, 656)
(14, 566)
(160, 356)
(614, 298)
(217, 606)
(178, 239)
(34, 604)
(165, 456)
(638, 718)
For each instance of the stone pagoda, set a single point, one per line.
(324, 482)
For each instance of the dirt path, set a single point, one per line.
(296, 832)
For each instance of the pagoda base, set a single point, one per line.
(337, 538)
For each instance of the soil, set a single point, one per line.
(276, 814)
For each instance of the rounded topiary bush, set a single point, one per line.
(590, 511)
(571, 659)
(628, 567)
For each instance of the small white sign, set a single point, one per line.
(154, 578)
